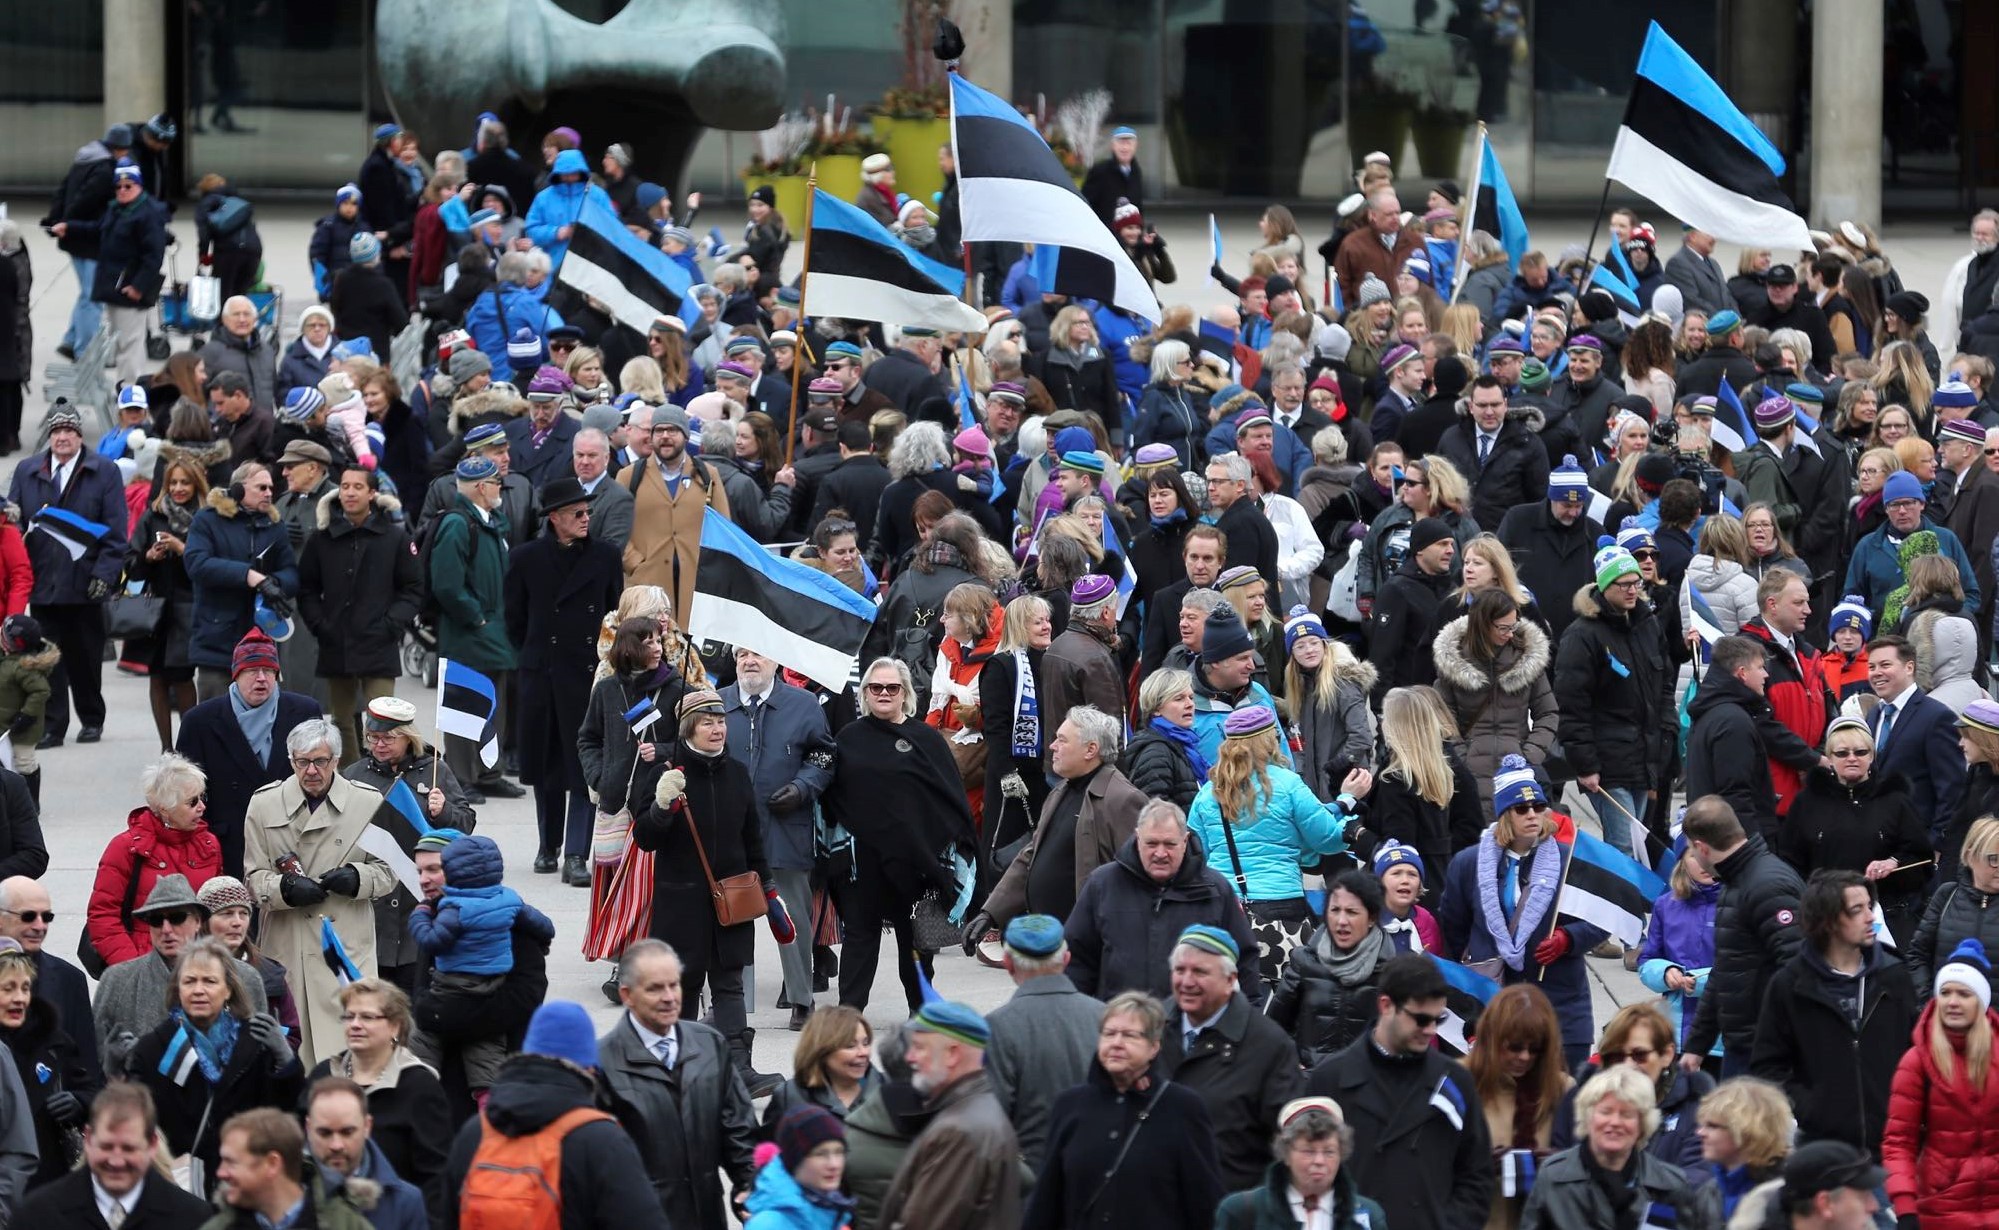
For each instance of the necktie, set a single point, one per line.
(756, 709)
(1193, 1036)
(116, 1217)
(1887, 723)
(1311, 1204)
(664, 1049)
(1509, 885)
(1484, 449)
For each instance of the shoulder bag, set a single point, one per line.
(738, 899)
(87, 955)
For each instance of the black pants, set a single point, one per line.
(76, 628)
(566, 817)
(236, 269)
(866, 904)
(725, 996)
(11, 400)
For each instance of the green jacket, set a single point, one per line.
(24, 689)
(468, 570)
(1761, 473)
(325, 1213)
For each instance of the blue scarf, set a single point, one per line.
(1026, 737)
(213, 1046)
(1190, 744)
(1178, 514)
(1544, 875)
(257, 723)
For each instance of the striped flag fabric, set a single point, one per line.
(641, 717)
(1598, 509)
(1469, 993)
(73, 532)
(1732, 429)
(466, 703)
(1494, 209)
(860, 271)
(1693, 152)
(178, 1061)
(796, 616)
(634, 280)
(1703, 622)
(1214, 240)
(1608, 279)
(1128, 580)
(335, 953)
(393, 831)
(1609, 889)
(1013, 189)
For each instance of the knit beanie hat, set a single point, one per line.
(1392, 853)
(524, 348)
(803, 1129)
(1852, 612)
(254, 650)
(561, 1029)
(1635, 537)
(1968, 967)
(1301, 622)
(1568, 483)
(1535, 376)
(1248, 722)
(302, 403)
(1372, 291)
(1901, 485)
(1223, 636)
(1954, 395)
(1965, 430)
(1514, 783)
(1211, 939)
(1612, 562)
(218, 893)
(1427, 532)
(465, 364)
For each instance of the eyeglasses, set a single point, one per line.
(164, 918)
(1504, 630)
(1628, 583)
(1424, 1020)
(883, 689)
(28, 916)
(1637, 1054)
(1644, 555)
(1318, 1153)
(838, 365)
(1122, 1035)
(369, 1018)
(1526, 809)
(312, 762)
(1850, 753)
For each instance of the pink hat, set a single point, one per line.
(973, 440)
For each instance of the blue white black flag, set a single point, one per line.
(635, 281)
(1608, 889)
(796, 616)
(466, 703)
(861, 271)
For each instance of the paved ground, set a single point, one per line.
(87, 791)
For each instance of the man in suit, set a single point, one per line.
(677, 1075)
(25, 914)
(238, 739)
(610, 503)
(780, 735)
(1914, 735)
(1698, 275)
(540, 442)
(117, 1173)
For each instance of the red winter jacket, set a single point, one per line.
(1941, 1143)
(17, 576)
(1798, 695)
(152, 849)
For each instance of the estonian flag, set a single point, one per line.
(1704, 623)
(1127, 581)
(1470, 992)
(1732, 428)
(796, 616)
(75, 534)
(1012, 189)
(641, 717)
(335, 953)
(634, 280)
(1608, 888)
(1694, 153)
(1494, 210)
(860, 271)
(392, 834)
(466, 703)
(178, 1060)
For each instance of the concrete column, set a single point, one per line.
(1760, 68)
(135, 60)
(988, 27)
(1846, 111)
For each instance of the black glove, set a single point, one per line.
(1907, 1221)
(98, 590)
(64, 1108)
(343, 880)
(300, 891)
(19, 726)
(271, 1036)
(975, 931)
(786, 797)
(276, 598)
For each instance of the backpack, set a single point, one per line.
(426, 539)
(515, 1182)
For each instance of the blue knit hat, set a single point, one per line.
(364, 248)
(1852, 612)
(436, 839)
(954, 1021)
(561, 1029)
(1635, 537)
(1954, 395)
(1037, 936)
(846, 350)
(345, 193)
(301, 404)
(1301, 622)
(1514, 783)
(354, 348)
(1568, 483)
(1083, 461)
(1392, 853)
(482, 435)
(1722, 323)
(1212, 939)
(1072, 440)
(1901, 485)
(524, 347)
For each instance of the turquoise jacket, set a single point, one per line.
(1292, 829)
(778, 1203)
(1211, 712)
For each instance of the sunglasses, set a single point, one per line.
(28, 916)
(1637, 1054)
(164, 918)
(883, 689)
(1992, 452)
(1424, 1020)
(1644, 555)
(1850, 753)
(1527, 809)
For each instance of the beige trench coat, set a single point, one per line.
(279, 823)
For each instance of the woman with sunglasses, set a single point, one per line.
(166, 836)
(898, 793)
(1492, 670)
(1498, 911)
(1640, 1036)
(1517, 1069)
(1850, 818)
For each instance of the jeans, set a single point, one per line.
(88, 314)
(1617, 824)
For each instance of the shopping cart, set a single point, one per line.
(176, 318)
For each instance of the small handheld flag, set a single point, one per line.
(393, 831)
(466, 704)
(335, 953)
(641, 717)
(1607, 888)
(74, 533)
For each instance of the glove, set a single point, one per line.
(1554, 948)
(672, 785)
(1907, 1221)
(300, 891)
(265, 1029)
(19, 726)
(975, 931)
(276, 598)
(64, 1108)
(343, 879)
(1365, 606)
(786, 797)
(781, 928)
(98, 590)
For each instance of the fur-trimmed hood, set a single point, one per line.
(222, 502)
(1349, 669)
(485, 401)
(203, 455)
(1528, 653)
(384, 503)
(42, 660)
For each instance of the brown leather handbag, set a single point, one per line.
(738, 899)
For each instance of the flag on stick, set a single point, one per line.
(637, 282)
(335, 952)
(796, 616)
(861, 271)
(1609, 889)
(393, 831)
(466, 703)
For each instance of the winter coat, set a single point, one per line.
(1285, 826)
(24, 689)
(719, 798)
(1104, 824)
(131, 248)
(1614, 681)
(1168, 414)
(1079, 668)
(1125, 924)
(254, 357)
(556, 598)
(412, 1122)
(1167, 1179)
(1875, 568)
(211, 737)
(469, 929)
(503, 309)
(226, 542)
(1728, 590)
(777, 1202)
(248, 1080)
(1516, 472)
(468, 564)
(71, 1200)
(1550, 557)
(367, 303)
(132, 863)
(1836, 1074)
(1321, 1013)
(86, 191)
(788, 744)
(1505, 706)
(1726, 754)
(1339, 731)
(962, 1169)
(1245, 1068)
(1677, 1142)
(47, 1060)
(1755, 933)
(298, 368)
(420, 769)
(1956, 912)
(1436, 832)
(359, 587)
(1044, 1042)
(1796, 691)
(759, 512)
(329, 250)
(1941, 1144)
(1946, 654)
(376, 1191)
(1288, 453)
(17, 328)
(1680, 935)
(1404, 621)
(665, 545)
(1268, 1207)
(1565, 1195)
(1832, 825)
(560, 205)
(605, 744)
(96, 493)
(1078, 380)
(1159, 769)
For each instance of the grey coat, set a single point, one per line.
(1044, 1038)
(19, 1155)
(611, 513)
(1343, 730)
(1565, 1195)
(1507, 707)
(1700, 281)
(132, 1001)
(789, 744)
(707, 1126)
(393, 944)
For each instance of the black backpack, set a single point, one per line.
(422, 545)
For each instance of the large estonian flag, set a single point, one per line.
(392, 833)
(466, 703)
(1608, 888)
(605, 261)
(796, 616)
(1692, 151)
(1470, 991)
(1732, 428)
(1493, 207)
(860, 271)
(1012, 189)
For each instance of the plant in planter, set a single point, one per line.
(836, 146)
(913, 119)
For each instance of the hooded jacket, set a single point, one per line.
(1796, 691)
(1725, 751)
(560, 205)
(469, 929)
(1728, 590)
(24, 687)
(1614, 682)
(1941, 1145)
(777, 1202)
(1125, 925)
(1342, 730)
(225, 543)
(145, 851)
(1502, 707)
(1946, 654)
(86, 191)
(378, 1193)
(1285, 827)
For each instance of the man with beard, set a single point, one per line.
(671, 492)
(1969, 286)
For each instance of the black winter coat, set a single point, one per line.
(1848, 827)
(1704, 375)
(1956, 912)
(131, 247)
(998, 678)
(1836, 1073)
(1245, 1069)
(556, 599)
(1621, 724)
(1124, 927)
(1755, 932)
(210, 736)
(249, 1080)
(895, 513)
(226, 541)
(298, 368)
(1515, 473)
(605, 743)
(1322, 1014)
(857, 485)
(720, 800)
(1396, 810)
(1167, 1178)
(83, 196)
(1081, 384)
(359, 587)
(1726, 754)
(1160, 769)
(367, 304)
(908, 382)
(49, 1061)
(1552, 559)
(1406, 617)
(1250, 539)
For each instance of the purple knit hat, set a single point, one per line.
(1253, 720)
(1092, 589)
(1774, 412)
(549, 381)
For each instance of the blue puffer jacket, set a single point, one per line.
(225, 543)
(1681, 936)
(1288, 452)
(1116, 331)
(490, 333)
(778, 1203)
(470, 930)
(559, 205)
(1292, 828)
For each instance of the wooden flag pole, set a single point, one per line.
(1467, 215)
(804, 273)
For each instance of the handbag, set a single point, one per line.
(1343, 599)
(613, 830)
(1275, 937)
(1013, 795)
(127, 615)
(930, 923)
(738, 899)
(87, 956)
(204, 297)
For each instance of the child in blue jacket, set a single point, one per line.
(1679, 942)
(468, 934)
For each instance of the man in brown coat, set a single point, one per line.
(1080, 667)
(1378, 248)
(670, 494)
(963, 1172)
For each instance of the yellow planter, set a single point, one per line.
(839, 176)
(912, 145)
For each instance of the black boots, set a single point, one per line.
(575, 870)
(761, 1084)
(34, 781)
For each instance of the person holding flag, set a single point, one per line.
(1517, 1068)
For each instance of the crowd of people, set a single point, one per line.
(1238, 684)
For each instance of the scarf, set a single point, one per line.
(1188, 741)
(257, 723)
(1177, 515)
(1544, 874)
(1526, 1117)
(317, 352)
(212, 1046)
(1354, 967)
(1619, 1187)
(179, 517)
(1402, 933)
(1026, 710)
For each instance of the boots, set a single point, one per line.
(761, 1084)
(34, 781)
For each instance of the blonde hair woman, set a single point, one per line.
(641, 375)
(1745, 1127)
(1719, 572)
(1904, 378)
(1009, 700)
(1164, 758)
(1425, 797)
(1464, 326)
(1326, 689)
(1492, 671)
(1940, 1103)
(650, 602)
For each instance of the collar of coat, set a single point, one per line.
(329, 506)
(1528, 652)
(342, 796)
(225, 504)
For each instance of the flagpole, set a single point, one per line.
(1467, 215)
(1602, 204)
(804, 270)
(1561, 886)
